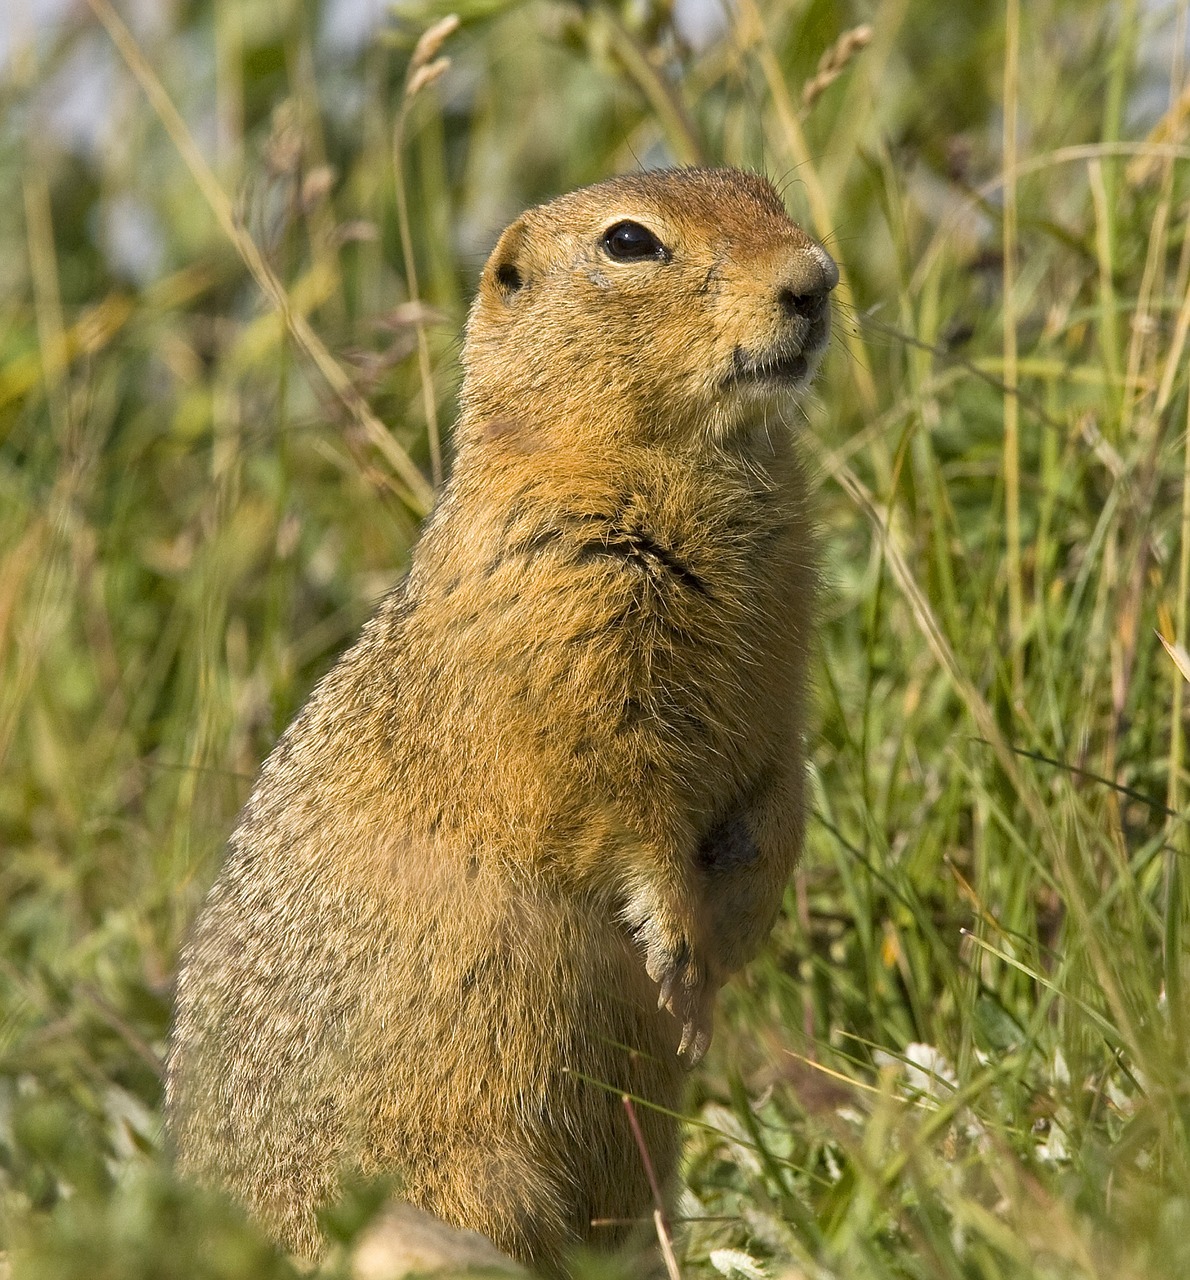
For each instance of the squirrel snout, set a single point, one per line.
(804, 292)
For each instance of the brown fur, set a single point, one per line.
(560, 771)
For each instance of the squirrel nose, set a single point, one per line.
(804, 294)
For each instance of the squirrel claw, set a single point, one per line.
(696, 1038)
(685, 991)
(685, 988)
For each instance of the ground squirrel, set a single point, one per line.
(494, 873)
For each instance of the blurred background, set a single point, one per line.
(237, 243)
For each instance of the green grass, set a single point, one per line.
(965, 1052)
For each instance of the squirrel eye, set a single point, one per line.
(629, 240)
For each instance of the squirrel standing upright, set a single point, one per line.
(494, 873)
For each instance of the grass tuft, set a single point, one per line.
(235, 264)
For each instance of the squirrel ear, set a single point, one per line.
(506, 267)
(508, 278)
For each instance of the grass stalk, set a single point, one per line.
(1177, 836)
(1173, 357)
(43, 272)
(666, 102)
(418, 494)
(752, 34)
(1144, 323)
(964, 1050)
(931, 630)
(424, 67)
(424, 368)
(1105, 190)
(1012, 446)
(1173, 799)
(229, 91)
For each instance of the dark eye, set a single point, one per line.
(627, 241)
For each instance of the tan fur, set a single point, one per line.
(561, 770)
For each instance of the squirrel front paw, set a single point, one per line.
(686, 992)
(684, 985)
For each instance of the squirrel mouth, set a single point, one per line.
(789, 365)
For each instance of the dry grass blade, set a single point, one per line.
(1143, 167)
(1080, 153)
(1012, 446)
(431, 41)
(425, 76)
(423, 71)
(1177, 652)
(941, 648)
(420, 496)
(752, 35)
(664, 98)
(185, 547)
(834, 62)
(660, 1222)
(985, 719)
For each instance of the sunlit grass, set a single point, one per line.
(965, 1052)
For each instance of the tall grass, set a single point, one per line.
(965, 1052)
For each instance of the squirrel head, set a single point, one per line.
(655, 307)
